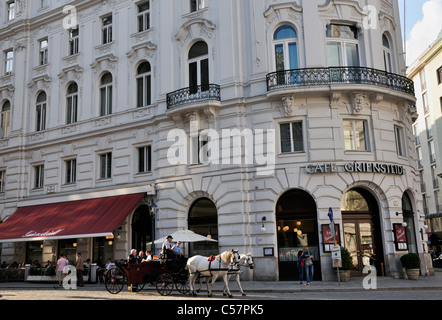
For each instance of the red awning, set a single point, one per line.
(69, 220)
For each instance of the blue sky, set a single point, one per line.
(423, 25)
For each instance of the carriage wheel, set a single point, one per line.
(182, 285)
(140, 286)
(164, 284)
(114, 280)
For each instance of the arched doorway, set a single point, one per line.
(297, 228)
(362, 231)
(141, 228)
(408, 214)
(203, 220)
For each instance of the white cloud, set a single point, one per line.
(425, 31)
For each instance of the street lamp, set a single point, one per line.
(153, 208)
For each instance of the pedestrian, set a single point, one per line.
(61, 264)
(300, 265)
(80, 269)
(308, 265)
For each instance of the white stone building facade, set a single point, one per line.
(95, 92)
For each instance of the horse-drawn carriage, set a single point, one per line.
(165, 275)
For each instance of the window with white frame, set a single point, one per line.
(144, 83)
(285, 45)
(72, 103)
(10, 10)
(71, 171)
(106, 166)
(400, 141)
(74, 41)
(2, 180)
(431, 151)
(196, 5)
(106, 89)
(5, 120)
(145, 159)
(342, 46)
(291, 136)
(198, 61)
(44, 3)
(40, 108)
(387, 53)
(143, 16)
(9, 62)
(106, 29)
(199, 146)
(419, 157)
(355, 135)
(43, 52)
(39, 176)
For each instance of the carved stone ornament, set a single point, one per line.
(359, 102)
(288, 106)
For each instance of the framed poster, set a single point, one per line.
(400, 237)
(328, 237)
(269, 252)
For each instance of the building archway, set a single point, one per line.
(141, 228)
(408, 214)
(362, 230)
(297, 228)
(203, 220)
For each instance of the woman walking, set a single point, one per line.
(300, 265)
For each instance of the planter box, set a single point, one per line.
(344, 275)
(413, 274)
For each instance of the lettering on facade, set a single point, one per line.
(363, 167)
(33, 234)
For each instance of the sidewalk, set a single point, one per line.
(354, 285)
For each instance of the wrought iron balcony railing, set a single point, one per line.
(207, 92)
(338, 75)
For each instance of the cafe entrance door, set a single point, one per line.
(362, 236)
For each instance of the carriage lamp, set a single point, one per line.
(263, 229)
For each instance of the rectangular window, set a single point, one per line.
(428, 127)
(39, 176)
(71, 171)
(106, 166)
(416, 134)
(400, 141)
(10, 6)
(425, 203)
(199, 147)
(437, 201)
(431, 151)
(145, 159)
(9, 62)
(143, 16)
(423, 80)
(196, 5)
(106, 29)
(43, 52)
(41, 117)
(419, 157)
(425, 103)
(292, 139)
(355, 135)
(2, 181)
(439, 75)
(74, 41)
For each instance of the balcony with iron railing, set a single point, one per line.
(196, 94)
(310, 77)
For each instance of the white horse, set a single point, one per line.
(217, 267)
(246, 260)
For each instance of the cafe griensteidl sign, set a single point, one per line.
(355, 167)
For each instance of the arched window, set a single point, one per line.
(387, 53)
(5, 120)
(106, 94)
(342, 46)
(72, 103)
(40, 109)
(203, 220)
(198, 60)
(285, 43)
(144, 85)
(142, 229)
